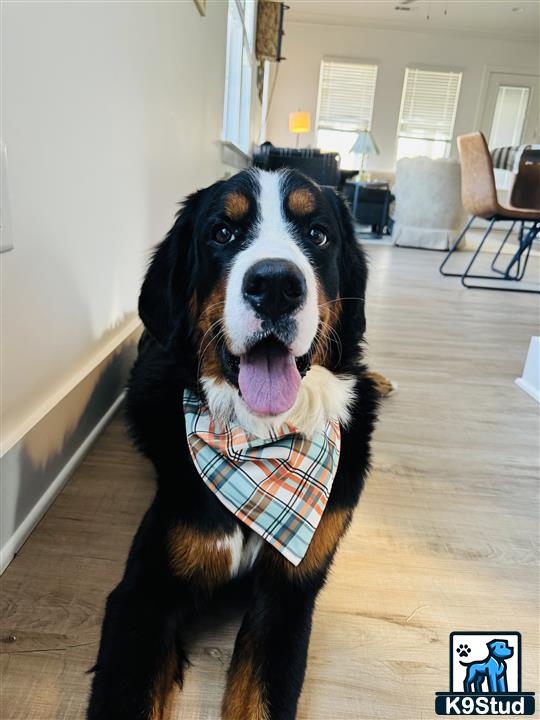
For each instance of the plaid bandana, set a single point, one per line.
(277, 486)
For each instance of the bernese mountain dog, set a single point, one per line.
(253, 307)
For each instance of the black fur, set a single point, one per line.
(149, 611)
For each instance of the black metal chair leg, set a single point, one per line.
(525, 247)
(519, 274)
(520, 270)
(502, 272)
(476, 252)
(525, 261)
(454, 247)
(456, 243)
(528, 291)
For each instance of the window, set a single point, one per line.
(346, 95)
(428, 112)
(239, 73)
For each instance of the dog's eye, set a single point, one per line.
(318, 236)
(223, 235)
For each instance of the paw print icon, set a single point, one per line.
(463, 650)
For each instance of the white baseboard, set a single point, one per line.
(530, 378)
(35, 469)
(15, 542)
(529, 389)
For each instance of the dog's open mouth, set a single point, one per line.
(268, 376)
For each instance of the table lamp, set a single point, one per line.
(364, 145)
(299, 122)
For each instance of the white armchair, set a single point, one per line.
(428, 210)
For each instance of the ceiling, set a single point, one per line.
(481, 17)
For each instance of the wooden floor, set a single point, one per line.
(444, 538)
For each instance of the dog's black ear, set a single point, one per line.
(165, 293)
(353, 269)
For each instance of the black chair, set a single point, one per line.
(322, 167)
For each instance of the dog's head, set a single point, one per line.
(500, 649)
(260, 278)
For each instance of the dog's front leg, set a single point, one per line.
(137, 662)
(267, 669)
(269, 660)
(139, 658)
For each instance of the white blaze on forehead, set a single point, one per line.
(273, 239)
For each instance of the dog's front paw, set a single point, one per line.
(383, 385)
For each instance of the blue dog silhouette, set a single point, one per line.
(493, 668)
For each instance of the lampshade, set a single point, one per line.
(365, 144)
(299, 122)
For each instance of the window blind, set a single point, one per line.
(429, 103)
(346, 95)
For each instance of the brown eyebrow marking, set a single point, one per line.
(301, 201)
(236, 205)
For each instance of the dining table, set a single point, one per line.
(523, 161)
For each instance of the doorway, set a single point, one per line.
(510, 116)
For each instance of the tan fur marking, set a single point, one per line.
(382, 384)
(301, 201)
(329, 313)
(236, 205)
(196, 554)
(331, 528)
(210, 325)
(244, 695)
(193, 306)
(163, 684)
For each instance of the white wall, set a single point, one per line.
(305, 45)
(112, 112)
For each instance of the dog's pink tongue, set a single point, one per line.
(269, 380)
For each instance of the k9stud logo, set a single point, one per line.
(485, 676)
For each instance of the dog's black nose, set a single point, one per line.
(274, 287)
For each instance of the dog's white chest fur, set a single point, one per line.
(243, 552)
(322, 396)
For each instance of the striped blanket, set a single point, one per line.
(508, 158)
